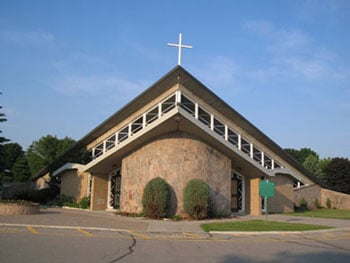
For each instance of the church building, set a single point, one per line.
(178, 130)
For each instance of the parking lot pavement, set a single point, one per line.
(83, 218)
(73, 217)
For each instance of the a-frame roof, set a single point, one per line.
(177, 75)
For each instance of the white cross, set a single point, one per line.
(179, 46)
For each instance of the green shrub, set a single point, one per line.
(329, 203)
(156, 198)
(303, 204)
(317, 204)
(84, 203)
(196, 199)
(41, 196)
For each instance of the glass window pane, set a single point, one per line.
(245, 146)
(168, 104)
(123, 134)
(187, 105)
(204, 116)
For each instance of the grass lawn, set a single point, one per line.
(324, 213)
(259, 225)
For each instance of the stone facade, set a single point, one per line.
(177, 158)
(313, 192)
(283, 201)
(74, 184)
(99, 192)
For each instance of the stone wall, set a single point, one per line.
(283, 201)
(177, 158)
(338, 200)
(9, 209)
(43, 182)
(99, 192)
(313, 192)
(74, 184)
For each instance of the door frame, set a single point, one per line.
(109, 193)
(241, 179)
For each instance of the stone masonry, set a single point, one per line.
(177, 158)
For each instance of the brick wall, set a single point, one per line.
(177, 158)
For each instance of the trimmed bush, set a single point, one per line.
(156, 198)
(303, 204)
(196, 199)
(329, 203)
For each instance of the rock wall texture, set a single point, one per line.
(74, 184)
(283, 201)
(313, 192)
(178, 158)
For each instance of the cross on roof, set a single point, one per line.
(179, 46)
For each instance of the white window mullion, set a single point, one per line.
(129, 130)
(251, 151)
(212, 122)
(272, 164)
(104, 146)
(262, 159)
(178, 97)
(226, 133)
(239, 142)
(196, 111)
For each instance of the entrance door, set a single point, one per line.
(237, 192)
(114, 190)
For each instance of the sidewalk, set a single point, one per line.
(102, 219)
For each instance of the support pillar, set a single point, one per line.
(99, 192)
(255, 202)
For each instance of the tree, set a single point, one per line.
(47, 149)
(302, 154)
(311, 163)
(337, 175)
(20, 170)
(10, 152)
(2, 119)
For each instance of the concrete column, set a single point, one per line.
(99, 192)
(255, 202)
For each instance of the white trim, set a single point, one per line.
(68, 166)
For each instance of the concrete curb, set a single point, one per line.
(67, 227)
(251, 233)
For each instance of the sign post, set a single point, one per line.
(266, 189)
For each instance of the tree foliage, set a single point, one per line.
(10, 153)
(45, 150)
(337, 175)
(302, 154)
(20, 170)
(2, 119)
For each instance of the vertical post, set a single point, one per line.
(265, 204)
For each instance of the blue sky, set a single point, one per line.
(65, 66)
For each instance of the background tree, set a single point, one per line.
(47, 149)
(10, 152)
(302, 154)
(2, 119)
(20, 170)
(337, 175)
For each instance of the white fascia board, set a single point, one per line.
(68, 166)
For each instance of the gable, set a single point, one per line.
(129, 125)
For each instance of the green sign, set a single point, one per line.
(266, 188)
